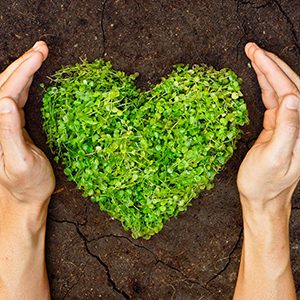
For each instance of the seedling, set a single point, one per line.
(143, 155)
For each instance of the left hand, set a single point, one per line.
(267, 179)
(270, 172)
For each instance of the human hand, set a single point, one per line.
(26, 184)
(267, 179)
(26, 175)
(271, 170)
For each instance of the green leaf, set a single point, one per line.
(143, 155)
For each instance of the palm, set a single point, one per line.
(272, 165)
(24, 169)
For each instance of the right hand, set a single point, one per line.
(270, 171)
(26, 175)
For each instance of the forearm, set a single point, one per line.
(265, 270)
(22, 252)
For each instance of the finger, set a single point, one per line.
(39, 46)
(13, 66)
(24, 94)
(16, 153)
(264, 137)
(269, 96)
(22, 117)
(270, 119)
(286, 133)
(27, 137)
(295, 165)
(15, 84)
(286, 69)
(279, 81)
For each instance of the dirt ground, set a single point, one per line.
(196, 256)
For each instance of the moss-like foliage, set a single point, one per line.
(143, 155)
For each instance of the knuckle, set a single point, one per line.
(266, 114)
(288, 124)
(291, 128)
(278, 166)
(5, 129)
(269, 119)
(293, 94)
(258, 52)
(38, 54)
(6, 98)
(21, 167)
(276, 162)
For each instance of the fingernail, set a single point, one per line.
(255, 45)
(292, 102)
(36, 46)
(5, 107)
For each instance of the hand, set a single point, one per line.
(271, 170)
(26, 175)
(267, 179)
(26, 183)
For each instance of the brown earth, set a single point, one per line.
(196, 256)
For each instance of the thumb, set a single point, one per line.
(286, 131)
(12, 140)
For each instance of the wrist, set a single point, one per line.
(22, 251)
(279, 206)
(266, 235)
(25, 217)
(263, 219)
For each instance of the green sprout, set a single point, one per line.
(143, 155)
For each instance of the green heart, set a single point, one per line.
(143, 155)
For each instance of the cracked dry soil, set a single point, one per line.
(196, 256)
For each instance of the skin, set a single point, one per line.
(267, 179)
(26, 184)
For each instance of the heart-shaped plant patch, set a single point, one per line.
(143, 155)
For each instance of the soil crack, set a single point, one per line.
(229, 258)
(241, 39)
(101, 262)
(282, 11)
(253, 4)
(157, 259)
(291, 24)
(102, 27)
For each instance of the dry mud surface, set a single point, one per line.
(196, 256)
